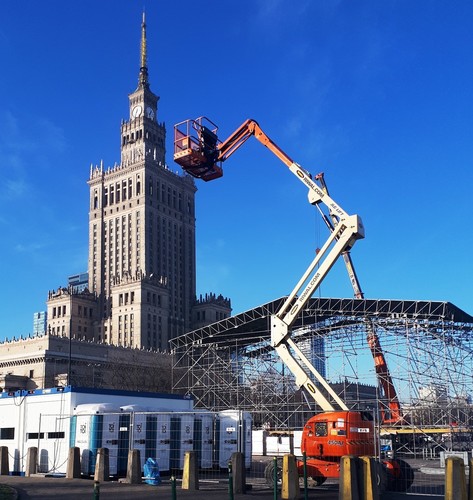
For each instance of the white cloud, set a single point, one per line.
(31, 248)
(15, 188)
(27, 142)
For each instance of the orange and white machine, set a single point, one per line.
(337, 431)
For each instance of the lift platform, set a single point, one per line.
(196, 148)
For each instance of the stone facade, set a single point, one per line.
(50, 361)
(209, 309)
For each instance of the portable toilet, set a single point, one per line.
(163, 440)
(139, 430)
(150, 433)
(204, 438)
(182, 438)
(94, 426)
(233, 434)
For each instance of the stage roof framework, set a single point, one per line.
(230, 363)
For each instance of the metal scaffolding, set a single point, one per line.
(428, 347)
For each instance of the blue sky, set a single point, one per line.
(377, 95)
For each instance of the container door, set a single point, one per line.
(139, 432)
(187, 436)
(203, 439)
(110, 440)
(123, 443)
(163, 441)
(228, 438)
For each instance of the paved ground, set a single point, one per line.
(41, 487)
(45, 488)
(428, 484)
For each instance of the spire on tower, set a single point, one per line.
(143, 76)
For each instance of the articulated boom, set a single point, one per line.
(392, 414)
(338, 431)
(200, 153)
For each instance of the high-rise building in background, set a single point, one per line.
(79, 282)
(40, 321)
(141, 287)
(313, 347)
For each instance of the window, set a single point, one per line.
(7, 433)
(35, 435)
(321, 429)
(56, 435)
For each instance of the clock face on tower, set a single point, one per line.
(136, 111)
(149, 113)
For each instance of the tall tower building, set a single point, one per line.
(141, 262)
(141, 288)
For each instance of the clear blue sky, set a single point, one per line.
(376, 94)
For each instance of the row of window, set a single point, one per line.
(218, 315)
(121, 191)
(126, 298)
(84, 311)
(61, 330)
(117, 192)
(123, 320)
(59, 311)
(135, 136)
(8, 433)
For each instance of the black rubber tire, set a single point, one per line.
(405, 479)
(319, 480)
(381, 476)
(269, 473)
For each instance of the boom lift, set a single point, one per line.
(337, 431)
(392, 414)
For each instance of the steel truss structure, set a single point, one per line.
(428, 347)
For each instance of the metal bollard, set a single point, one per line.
(275, 478)
(230, 481)
(96, 490)
(304, 461)
(173, 487)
